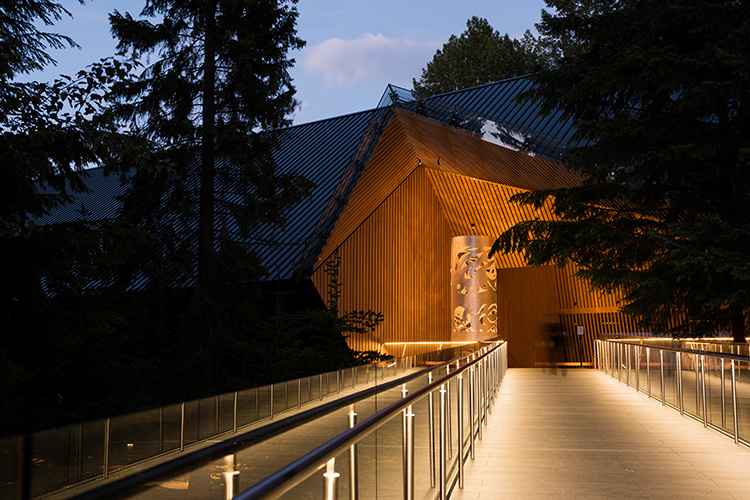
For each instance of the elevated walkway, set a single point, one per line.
(580, 434)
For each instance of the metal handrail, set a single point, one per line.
(682, 349)
(610, 359)
(298, 471)
(240, 441)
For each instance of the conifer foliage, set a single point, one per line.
(220, 77)
(659, 92)
(477, 56)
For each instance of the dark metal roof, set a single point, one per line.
(332, 153)
(515, 122)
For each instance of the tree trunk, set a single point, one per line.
(206, 260)
(737, 318)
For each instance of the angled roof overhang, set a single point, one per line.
(411, 140)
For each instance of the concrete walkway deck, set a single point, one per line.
(579, 434)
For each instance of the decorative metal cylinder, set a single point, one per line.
(473, 288)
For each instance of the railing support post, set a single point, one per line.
(448, 411)
(648, 370)
(661, 369)
(734, 406)
(234, 416)
(472, 409)
(723, 397)
(182, 427)
(480, 397)
(105, 465)
(703, 390)
(637, 350)
(353, 482)
(627, 365)
(409, 453)
(460, 430)
(678, 356)
(443, 481)
(431, 429)
(270, 401)
(697, 385)
(331, 480)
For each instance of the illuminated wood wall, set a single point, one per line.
(397, 262)
(393, 239)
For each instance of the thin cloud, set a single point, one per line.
(346, 62)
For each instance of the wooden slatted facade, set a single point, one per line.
(425, 183)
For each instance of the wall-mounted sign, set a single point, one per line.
(579, 329)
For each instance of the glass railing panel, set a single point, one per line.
(265, 398)
(226, 412)
(388, 460)
(192, 421)
(715, 393)
(670, 378)
(248, 406)
(10, 454)
(208, 417)
(92, 444)
(50, 461)
(728, 406)
(172, 417)
(742, 374)
(135, 437)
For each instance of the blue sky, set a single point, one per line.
(354, 47)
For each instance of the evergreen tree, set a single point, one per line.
(49, 134)
(219, 84)
(479, 55)
(659, 92)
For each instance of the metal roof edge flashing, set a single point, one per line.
(336, 203)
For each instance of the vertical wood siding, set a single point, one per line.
(393, 238)
(398, 262)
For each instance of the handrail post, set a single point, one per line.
(678, 356)
(460, 430)
(182, 426)
(637, 350)
(627, 365)
(703, 390)
(734, 406)
(105, 465)
(723, 397)
(480, 398)
(448, 410)
(697, 384)
(661, 369)
(270, 402)
(409, 455)
(299, 393)
(648, 370)
(431, 429)
(443, 493)
(331, 480)
(353, 482)
(234, 417)
(471, 411)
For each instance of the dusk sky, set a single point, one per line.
(354, 48)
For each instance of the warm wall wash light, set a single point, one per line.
(473, 288)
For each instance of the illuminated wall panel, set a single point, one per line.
(397, 262)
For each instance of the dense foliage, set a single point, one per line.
(659, 91)
(80, 341)
(478, 55)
